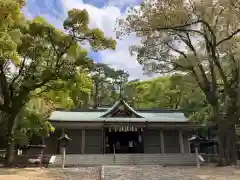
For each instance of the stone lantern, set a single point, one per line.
(196, 141)
(64, 143)
(64, 140)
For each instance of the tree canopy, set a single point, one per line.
(35, 57)
(199, 38)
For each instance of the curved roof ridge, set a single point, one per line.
(118, 103)
(131, 109)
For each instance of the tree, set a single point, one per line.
(178, 92)
(120, 78)
(73, 93)
(100, 74)
(200, 38)
(108, 84)
(130, 93)
(34, 54)
(32, 121)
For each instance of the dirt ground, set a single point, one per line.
(215, 173)
(50, 174)
(205, 173)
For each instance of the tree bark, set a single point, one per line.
(222, 130)
(96, 94)
(222, 151)
(10, 155)
(232, 109)
(231, 144)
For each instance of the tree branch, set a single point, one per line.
(178, 51)
(217, 18)
(205, 78)
(191, 45)
(4, 85)
(17, 76)
(188, 42)
(180, 28)
(229, 37)
(51, 40)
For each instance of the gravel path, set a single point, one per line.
(168, 173)
(123, 173)
(90, 173)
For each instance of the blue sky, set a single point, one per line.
(103, 15)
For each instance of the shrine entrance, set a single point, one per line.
(124, 141)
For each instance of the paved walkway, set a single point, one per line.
(169, 173)
(145, 173)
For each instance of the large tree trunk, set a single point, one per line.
(10, 151)
(231, 144)
(10, 156)
(227, 143)
(222, 128)
(221, 132)
(232, 109)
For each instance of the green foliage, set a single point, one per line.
(32, 123)
(10, 16)
(45, 54)
(179, 92)
(73, 93)
(171, 92)
(36, 58)
(10, 12)
(105, 77)
(77, 25)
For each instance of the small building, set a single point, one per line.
(121, 129)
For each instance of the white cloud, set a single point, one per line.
(105, 19)
(121, 3)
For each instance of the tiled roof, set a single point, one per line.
(105, 115)
(96, 116)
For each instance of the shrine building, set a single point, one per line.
(121, 129)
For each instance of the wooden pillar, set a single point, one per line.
(43, 140)
(62, 133)
(162, 141)
(181, 143)
(189, 147)
(103, 140)
(83, 141)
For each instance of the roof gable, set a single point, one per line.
(121, 109)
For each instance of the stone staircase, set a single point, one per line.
(73, 160)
